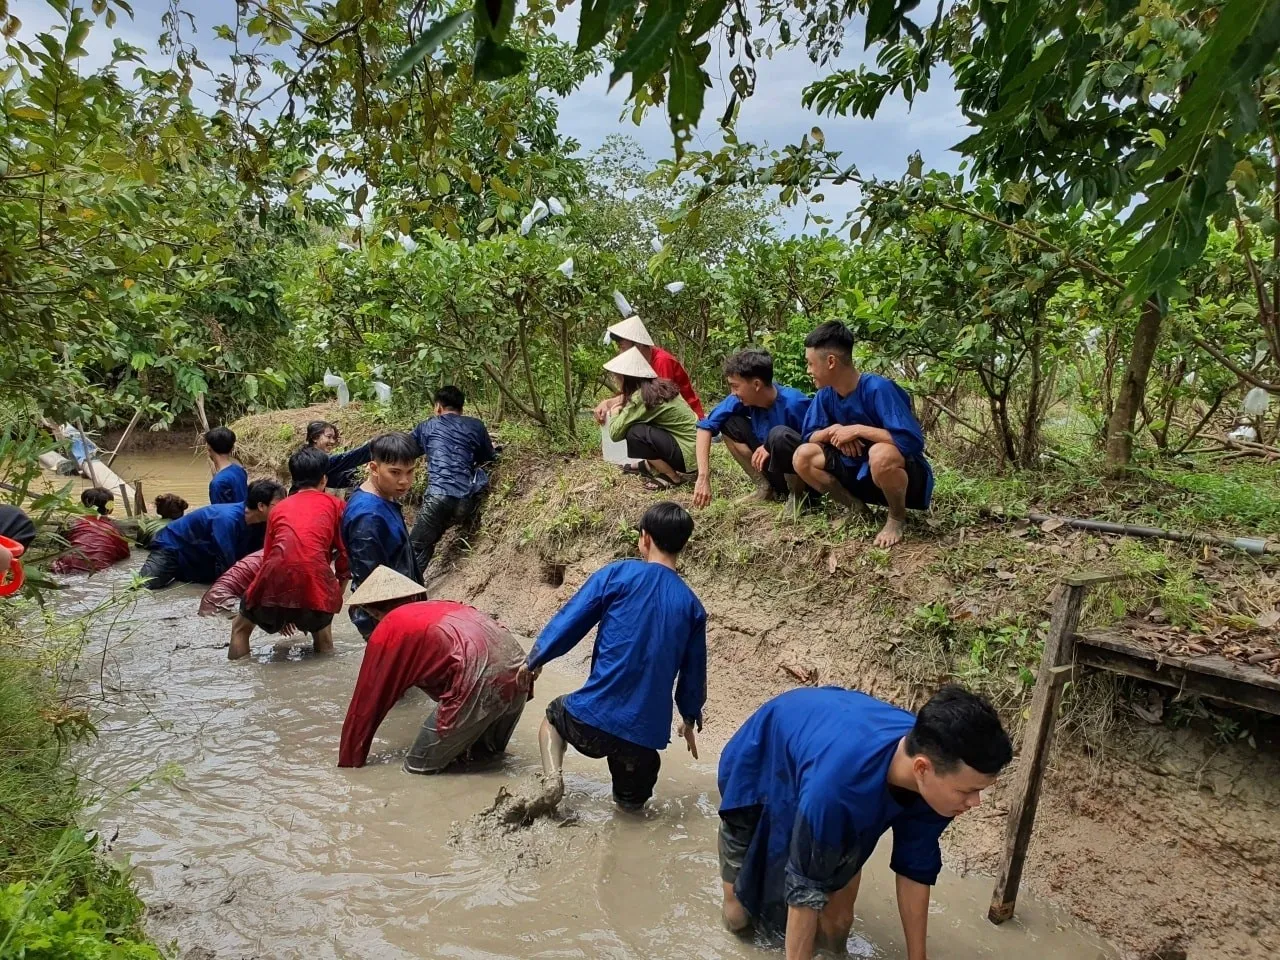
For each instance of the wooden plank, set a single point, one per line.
(1211, 664)
(1037, 742)
(1174, 675)
(1096, 578)
(125, 498)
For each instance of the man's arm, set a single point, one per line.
(913, 908)
(342, 462)
(484, 447)
(370, 702)
(571, 624)
(702, 486)
(815, 421)
(901, 428)
(691, 686)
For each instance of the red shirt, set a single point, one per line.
(95, 545)
(668, 368)
(462, 658)
(304, 533)
(224, 596)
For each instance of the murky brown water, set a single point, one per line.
(184, 472)
(249, 841)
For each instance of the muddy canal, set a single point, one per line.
(249, 841)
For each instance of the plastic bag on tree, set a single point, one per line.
(555, 206)
(655, 245)
(382, 391)
(624, 308)
(1245, 432)
(539, 212)
(567, 267)
(1256, 402)
(408, 243)
(526, 225)
(337, 383)
(675, 286)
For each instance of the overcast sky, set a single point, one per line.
(773, 116)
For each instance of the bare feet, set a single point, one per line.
(552, 790)
(890, 534)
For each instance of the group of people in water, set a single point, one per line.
(811, 780)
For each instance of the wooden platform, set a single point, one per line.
(1241, 684)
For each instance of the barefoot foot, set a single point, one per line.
(890, 534)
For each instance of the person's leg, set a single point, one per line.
(658, 448)
(740, 441)
(241, 630)
(811, 463)
(322, 640)
(552, 747)
(836, 920)
(889, 473)
(737, 828)
(635, 774)
(159, 570)
(431, 752)
(435, 515)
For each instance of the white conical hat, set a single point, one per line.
(385, 584)
(631, 363)
(632, 329)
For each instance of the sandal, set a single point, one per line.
(640, 469)
(658, 483)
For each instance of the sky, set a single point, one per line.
(773, 116)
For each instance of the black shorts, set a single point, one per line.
(634, 768)
(737, 828)
(782, 444)
(160, 569)
(866, 489)
(647, 442)
(273, 619)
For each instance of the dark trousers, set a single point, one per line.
(160, 569)
(436, 515)
(480, 738)
(647, 442)
(782, 444)
(633, 768)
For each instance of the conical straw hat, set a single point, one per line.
(631, 363)
(385, 584)
(632, 329)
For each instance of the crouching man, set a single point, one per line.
(811, 782)
(460, 657)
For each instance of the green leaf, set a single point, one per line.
(432, 37)
(148, 172)
(707, 16)
(110, 160)
(1246, 179)
(441, 183)
(651, 44)
(597, 17)
(687, 89)
(915, 166)
(493, 18)
(75, 38)
(1157, 137)
(496, 61)
(28, 113)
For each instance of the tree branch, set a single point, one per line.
(1239, 371)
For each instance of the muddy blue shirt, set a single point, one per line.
(343, 467)
(229, 485)
(788, 410)
(374, 533)
(208, 541)
(455, 447)
(815, 762)
(652, 636)
(875, 402)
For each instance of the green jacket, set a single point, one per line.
(674, 416)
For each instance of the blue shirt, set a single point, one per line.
(816, 763)
(875, 402)
(788, 409)
(374, 533)
(229, 485)
(455, 447)
(653, 630)
(209, 540)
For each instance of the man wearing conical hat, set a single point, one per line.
(460, 657)
(631, 332)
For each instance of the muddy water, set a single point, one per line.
(248, 840)
(181, 471)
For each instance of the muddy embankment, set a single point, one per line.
(1166, 841)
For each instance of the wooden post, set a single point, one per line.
(139, 501)
(124, 495)
(124, 436)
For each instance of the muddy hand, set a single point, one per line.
(686, 730)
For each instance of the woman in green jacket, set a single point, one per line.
(658, 424)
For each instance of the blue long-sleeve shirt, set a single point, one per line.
(342, 467)
(374, 533)
(875, 402)
(816, 761)
(652, 636)
(456, 447)
(788, 409)
(209, 540)
(229, 485)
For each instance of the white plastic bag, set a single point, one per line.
(1256, 402)
(555, 206)
(567, 267)
(382, 391)
(614, 451)
(624, 308)
(408, 243)
(539, 211)
(526, 225)
(1245, 432)
(335, 382)
(656, 245)
(675, 286)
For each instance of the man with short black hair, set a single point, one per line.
(303, 573)
(230, 483)
(760, 423)
(457, 449)
(651, 637)
(373, 527)
(815, 777)
(863, 443)
(202, 545)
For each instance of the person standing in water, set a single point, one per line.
(303, 575)
(373, 527)
(460, 657)
(230, 483)
(813, 779)
(651, 637)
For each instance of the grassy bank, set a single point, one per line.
(60, 897)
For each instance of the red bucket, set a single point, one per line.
(14, 578)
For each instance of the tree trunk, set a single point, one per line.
(1129, 399)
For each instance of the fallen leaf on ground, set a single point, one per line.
(1051, 525)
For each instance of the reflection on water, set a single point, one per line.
(249, 841)
(181, 471)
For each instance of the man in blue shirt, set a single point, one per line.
(811, 782)
(204, 544)
(862, 442)
(230, 483)
(652, 636)
(456, 448)
(760, 422)
(373, 527)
